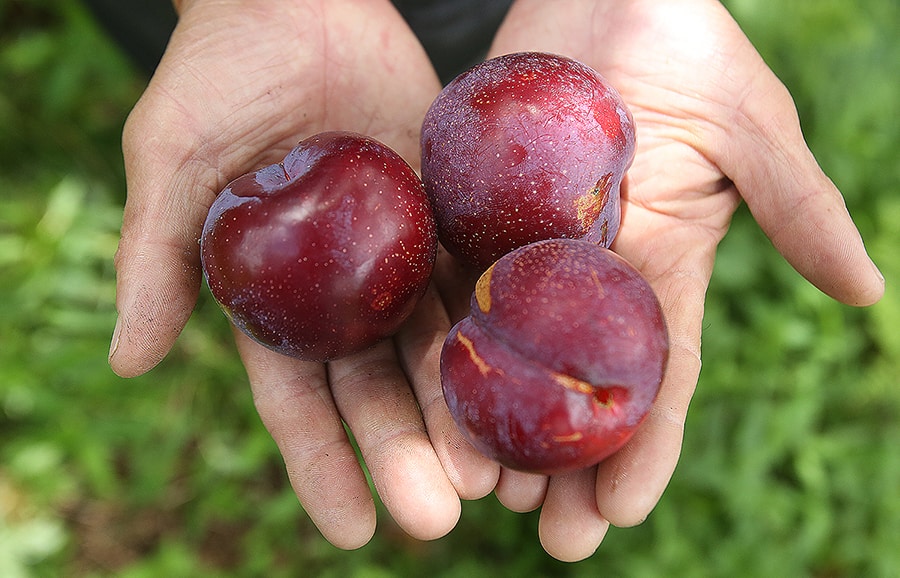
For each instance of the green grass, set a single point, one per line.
(790, 465)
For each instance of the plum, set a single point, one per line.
(525, 147)
(560, 358)
(325, 253)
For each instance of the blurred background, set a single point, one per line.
(790, 467)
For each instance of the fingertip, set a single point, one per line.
(566, 546)
(472, 475)
(420, 499)
(519, 491)
(347, 517)
(442, 522)
(872, 289)
(353, 536)
(132, 357)
(570, 527)
(829, 251)
(349, 524)
(149, 323)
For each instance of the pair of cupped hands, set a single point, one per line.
(243, 81)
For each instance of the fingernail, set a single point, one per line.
(878, 272)
(114, 343)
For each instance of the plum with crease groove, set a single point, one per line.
(560, 359)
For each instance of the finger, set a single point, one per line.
(158, 261)
(419, 344)
(570, 527)
(631, 481)
(760, 146)
(455, 282)
(520, 491)
(295, 405)
(376, 401)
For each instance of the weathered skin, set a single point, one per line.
(325, 253)
(525, 147)
(560, 359)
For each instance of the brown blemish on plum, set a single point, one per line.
(573, 383)
(483, 290)
(483, 367)
(575, 436)
(591, 204)
(602, 397)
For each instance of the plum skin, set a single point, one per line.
(524, 147)
(560, 359)
(325, 253)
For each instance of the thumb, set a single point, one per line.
(158, 260)
(763, 151)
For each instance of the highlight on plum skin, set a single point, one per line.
(322, 254)
(525, 147)
(560, 359)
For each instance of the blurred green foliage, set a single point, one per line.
(790, 464)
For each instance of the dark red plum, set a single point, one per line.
(325, 253)
(560, 358)
(525, 147)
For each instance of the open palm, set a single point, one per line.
(714, 127)
(239, 85)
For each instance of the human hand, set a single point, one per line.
(714, 127)
(240, 84)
